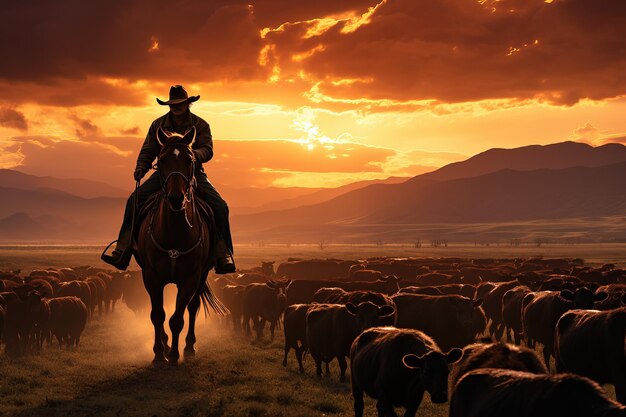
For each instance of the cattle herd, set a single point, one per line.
(463, 330)
(51, 305)
(468, 327)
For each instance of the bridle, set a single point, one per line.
(190, 182)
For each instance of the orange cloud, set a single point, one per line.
(12, 118)
(236, 163)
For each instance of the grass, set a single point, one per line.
(111, 374)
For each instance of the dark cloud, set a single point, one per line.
(130, 131)
(85, 129)
(12, 118)
(447, 50)
(457, 50)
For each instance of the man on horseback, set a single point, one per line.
(178, 120)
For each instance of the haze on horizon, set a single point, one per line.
(311, 94)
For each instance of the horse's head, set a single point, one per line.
(176, 167)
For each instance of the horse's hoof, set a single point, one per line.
(189, 352)
(159, 360)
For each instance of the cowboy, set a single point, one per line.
(178, 120)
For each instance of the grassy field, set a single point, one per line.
(30, 257)
(110, 374)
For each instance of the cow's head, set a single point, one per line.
(280, 291)
(465, 310)
(583, 297)
(432, 370)
(369, 314)
(267, 268)
(392, 281)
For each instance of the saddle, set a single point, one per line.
(202, 208)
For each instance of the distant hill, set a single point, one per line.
(240, 200)
(80, 187)
(51, 214)
(502, 196)
(528, 158)
(20, 226)
(550, 185)
(316, 196)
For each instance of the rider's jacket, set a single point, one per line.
(202, 146)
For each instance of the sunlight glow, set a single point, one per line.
(155, 45)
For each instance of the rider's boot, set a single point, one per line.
(120, 258)
(224, 262)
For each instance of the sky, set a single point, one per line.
(314, 94)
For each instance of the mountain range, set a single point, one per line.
(569, 183)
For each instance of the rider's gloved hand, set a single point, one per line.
(139, 173)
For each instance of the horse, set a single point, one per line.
(173, 246)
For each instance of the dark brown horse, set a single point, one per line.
(173, 246)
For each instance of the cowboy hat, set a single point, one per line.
(178, 94)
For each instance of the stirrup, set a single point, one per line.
(120, 259)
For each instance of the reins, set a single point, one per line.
(174, 254)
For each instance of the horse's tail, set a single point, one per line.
(210, 300)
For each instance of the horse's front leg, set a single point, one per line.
(186, 291)
(157, 315)
(190, 340)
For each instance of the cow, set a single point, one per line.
(613, 299)
(395, 367)
(492, 304)
(591, 343)
(325, 293)
(331, 328)
(294, 325)
(232, 297)
(496, 355)
(314, 269)
(2, 316)
(266, 269)
(250, 278)
(98, 290)
(543, 309)
(45, 288)
(134, 294)
(421, 290)
(449, 319)
(264, 302)
(436, 278)
(68, 317)
(78, 289)
(22, 308)
(502, 392)
(473, 275)
(365, 275)
(512, 312)
(114, 281)
(302, 291)
(339, 296)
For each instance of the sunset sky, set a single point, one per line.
(307, 93)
